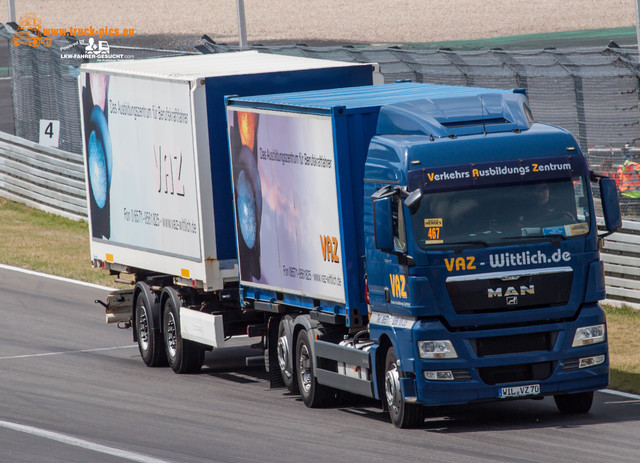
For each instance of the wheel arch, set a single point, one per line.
(304, 322)
(169, 292)
(384, 344)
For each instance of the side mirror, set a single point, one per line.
(383, 223)
(413, 200)
(610, 204)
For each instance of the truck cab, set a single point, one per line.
(483, 265)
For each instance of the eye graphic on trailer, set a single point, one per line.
(99, 157)
(247, 208)
(248, 194)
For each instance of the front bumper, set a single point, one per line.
(480, 376)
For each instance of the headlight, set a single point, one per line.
(437, 350)
(589, 335)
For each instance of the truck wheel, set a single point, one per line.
(313, 394)
(184, 356)
(150, 342)
(284, 359)
(402, 414)
(574, 403)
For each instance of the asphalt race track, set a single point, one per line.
(74, 389)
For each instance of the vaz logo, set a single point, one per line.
(398, 285)
(329, 246)
(460, 263)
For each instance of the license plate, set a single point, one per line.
(519, 391)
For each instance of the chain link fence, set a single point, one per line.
(592, 92)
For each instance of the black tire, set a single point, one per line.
(150, 342)
(285, 359)
(570, 404)
(314, 395)
(184, 356)
(271, 355)
(402, 414)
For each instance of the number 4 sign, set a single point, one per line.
(49, 133)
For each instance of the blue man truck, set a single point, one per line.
(418, 244)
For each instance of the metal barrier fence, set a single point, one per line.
(621, 256)
(45, 178)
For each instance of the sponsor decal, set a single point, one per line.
(510, 259)
(460, 263)
(494, 173)
(330, 252)
(398, 285)
(432, 223)
(507, 259)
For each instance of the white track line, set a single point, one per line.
(621, 394)
(46, 354)
(64, 438)
(83, 444)
(54, 277)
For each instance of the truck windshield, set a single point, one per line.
(497, 215)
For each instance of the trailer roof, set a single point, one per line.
(215, 65)
(363, 97)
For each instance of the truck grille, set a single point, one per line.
(515, 344)
(507, 291)
(516, 373)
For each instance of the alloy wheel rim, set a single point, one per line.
(283, 355)
(172, 337)
(392, 388)
(305, 368)
(143, 328)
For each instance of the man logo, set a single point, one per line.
(512, 300)
(511, 292)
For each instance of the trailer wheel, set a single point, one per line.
(284, 359)
(150, 342)
(184, 356)
(402, 414)
(569, 404)
(314, 395)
